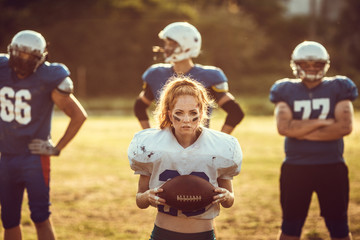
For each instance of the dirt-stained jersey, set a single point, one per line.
(212, 78)
(157, 153)
(25, 104)
(315, 103)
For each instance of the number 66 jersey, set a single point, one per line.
(157, 153)
(26, 106)
(315, 103)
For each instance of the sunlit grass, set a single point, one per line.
(93, 189)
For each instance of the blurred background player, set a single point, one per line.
(29, 88)
(314, 113)
(182, 42)
(181, 146)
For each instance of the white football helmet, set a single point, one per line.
(32, 43)
(310, 51)
(188, 38)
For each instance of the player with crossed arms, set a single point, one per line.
(182, 42)
(29, 88)
(314, 113)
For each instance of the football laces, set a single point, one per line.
(186, 198)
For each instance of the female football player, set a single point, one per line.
(182, 146)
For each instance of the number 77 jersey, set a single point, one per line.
(26, 106)
(316, 103)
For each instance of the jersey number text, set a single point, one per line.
(14, 106)
(315, 104)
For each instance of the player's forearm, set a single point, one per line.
(77, 116)
(290, 127)
(227, 129)
(72, 129)
(140, 112)
(144, 124)
(300, 128)
(234, 115)
(341, 126)
(329, 133)
(74, 110)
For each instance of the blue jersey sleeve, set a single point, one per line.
(156, 76)
(161, 70)
(209, 76)
(3, 60)
(218, 76)
(53, 74)
(347, 89)
(277, 90)
(146, 74)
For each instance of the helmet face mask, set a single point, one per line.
(27, 52)
(185, 36)
(310, 61)
(171, 47)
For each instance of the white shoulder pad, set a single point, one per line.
(221, 87)
(66, 85)
(141, 152)
(228, 153)
(231, 167)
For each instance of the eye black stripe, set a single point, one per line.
(176, 118)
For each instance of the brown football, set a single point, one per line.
(187, 192)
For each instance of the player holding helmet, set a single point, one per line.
(182, 42)
(314, 113)
(29, 88)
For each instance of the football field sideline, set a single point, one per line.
(93, 189)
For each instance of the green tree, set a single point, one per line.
(347, 39)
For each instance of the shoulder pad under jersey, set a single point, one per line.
(4, 59)
(281, 88)
(155, 68)
(66, 86)
(347, 88)
(53, 73)
(139, 155)
(209, 76)
(161, 65)
(57, 68)
(229, 158)
(221, 87)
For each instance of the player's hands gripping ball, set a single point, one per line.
(187, 193)
(43, 147)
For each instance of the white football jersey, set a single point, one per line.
(157, 153)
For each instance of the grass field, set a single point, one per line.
(93, 189)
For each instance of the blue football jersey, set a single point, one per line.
(158, 74)
(315, 103)
(26, 106)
